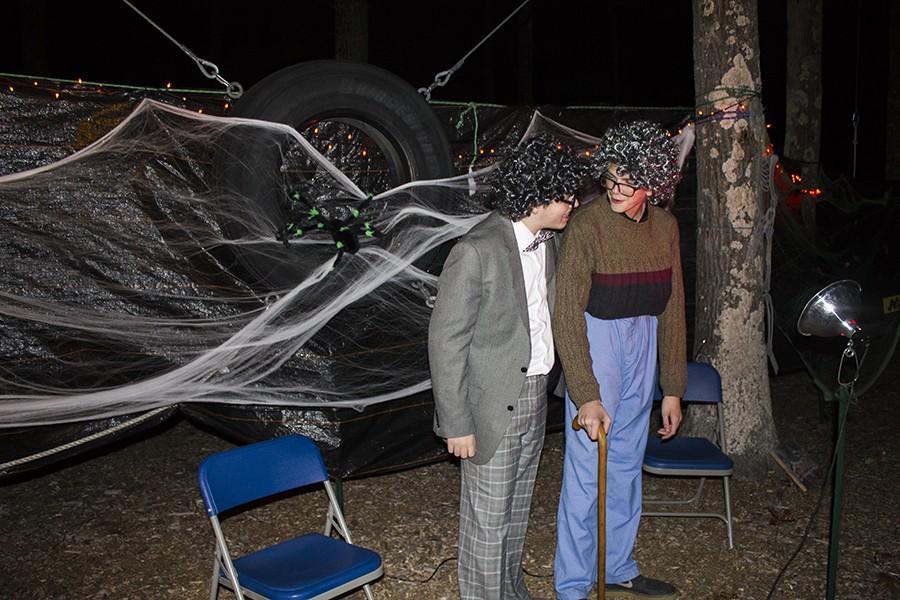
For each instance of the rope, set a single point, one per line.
(443, 77)
(209, 70)
(768, 235)
(84, 440)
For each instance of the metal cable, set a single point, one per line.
(443, 77)
(209, 69)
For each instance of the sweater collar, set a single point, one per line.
(644, 217)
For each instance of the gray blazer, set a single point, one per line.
(479, 344)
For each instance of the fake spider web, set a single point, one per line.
(124, 293)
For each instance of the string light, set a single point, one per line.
(208, 102)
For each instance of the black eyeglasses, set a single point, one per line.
(625, 189)
(571, 200)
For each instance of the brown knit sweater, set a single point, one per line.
(613, 267)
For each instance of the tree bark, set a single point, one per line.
(731, 142)
(803, 118)
(803, 109)
(351, 30)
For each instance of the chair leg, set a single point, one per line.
(728, 512)
(368, 589)
(695, 498)
(329, 520)
(214, 585)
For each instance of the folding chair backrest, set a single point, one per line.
(704, 384)
(255, 471)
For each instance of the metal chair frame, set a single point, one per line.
(224, 573)
(702, 474)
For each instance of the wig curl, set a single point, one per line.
(646, 152)
(539, 171)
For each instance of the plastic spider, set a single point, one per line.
(306, 218)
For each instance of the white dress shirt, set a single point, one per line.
(534, 269)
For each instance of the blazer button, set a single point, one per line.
(509, 407)
(524, 369)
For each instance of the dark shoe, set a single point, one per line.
(642, 587)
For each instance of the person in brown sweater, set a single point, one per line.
(620, 303)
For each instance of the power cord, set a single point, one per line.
(430, 577)
(829, 476)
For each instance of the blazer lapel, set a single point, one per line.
(515, 268)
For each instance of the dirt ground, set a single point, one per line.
(129, 523)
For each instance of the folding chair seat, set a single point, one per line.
(313, 565)
(695, 457)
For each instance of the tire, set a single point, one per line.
(379, 107)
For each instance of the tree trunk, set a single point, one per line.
(351, 30)
(33, 15)
(892, 147)
(731, 142)
(803, 118)
(487, 55)
(525, 57)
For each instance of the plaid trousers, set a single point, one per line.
(495, 499)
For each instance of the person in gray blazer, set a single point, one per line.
(490, 349)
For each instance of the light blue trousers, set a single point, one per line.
(623, 352)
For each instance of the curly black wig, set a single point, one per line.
(646, 152)
(539, 171)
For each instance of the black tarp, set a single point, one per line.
(38, 128)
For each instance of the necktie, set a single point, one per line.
(542, 236)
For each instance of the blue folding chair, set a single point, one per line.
(693, 456)
(305, 567)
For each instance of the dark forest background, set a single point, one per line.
(616, 52)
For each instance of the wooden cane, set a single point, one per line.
(601, 509)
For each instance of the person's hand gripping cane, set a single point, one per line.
(595, 421)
